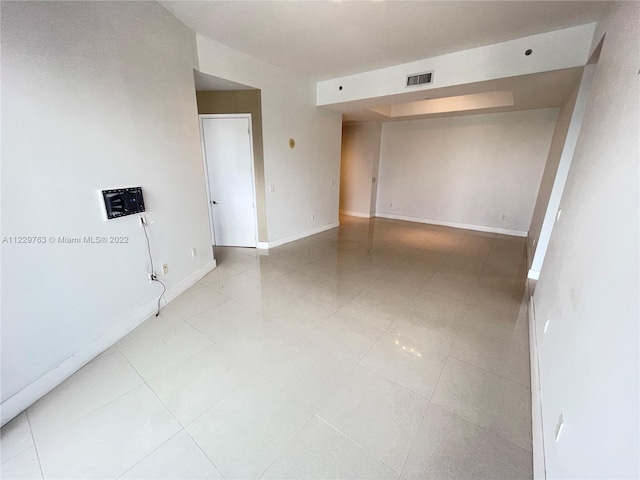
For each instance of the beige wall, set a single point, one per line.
(359, 165)
(243, 101)
(550, 170)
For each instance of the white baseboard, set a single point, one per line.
(350, 213)
(539, 469)
(297, 236)
(21, 400)
(466, 226)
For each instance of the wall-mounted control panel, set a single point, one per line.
(123, 201)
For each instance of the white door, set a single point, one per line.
(229, 164)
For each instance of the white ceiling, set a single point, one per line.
(326, 39)
(537, 90)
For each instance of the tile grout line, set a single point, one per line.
(180, 362)
(450, 356)
(449, 351)
(432, 393)
(486, 429)
(433, 273)
(172, 323)
(300, 268)
(394, 382)
(315, 414)
(232, 355)
(95, 410)
(399, 472)
(467, 363)
(415, 437)
(462, 324)
(34, 443)
(281, 452)
(206, 287)
(182, 429)
(149, 454)
(356, 443)
(489, 371)
(4, 460)
(359, 364)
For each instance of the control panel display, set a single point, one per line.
(123, 201)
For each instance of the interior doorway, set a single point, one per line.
(359, 165)
(228, 158)
(219, 96)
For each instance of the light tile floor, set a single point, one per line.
(382, 349)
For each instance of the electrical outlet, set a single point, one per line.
(504, 217)
(152, 277)
(165, 269)
(313, 217)
(332, 183)
(193, 252)
(272, 188)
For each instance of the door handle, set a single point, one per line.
(213, 202)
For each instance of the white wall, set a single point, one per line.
(302, 177)
(358, 167)
(589, 286)
(465, 171)
(95, 95)
(543, 234)
(551, 51)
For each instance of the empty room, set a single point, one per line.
(330, 240)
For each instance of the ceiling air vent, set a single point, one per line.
(419, 79)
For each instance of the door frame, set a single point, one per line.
(201, 118)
